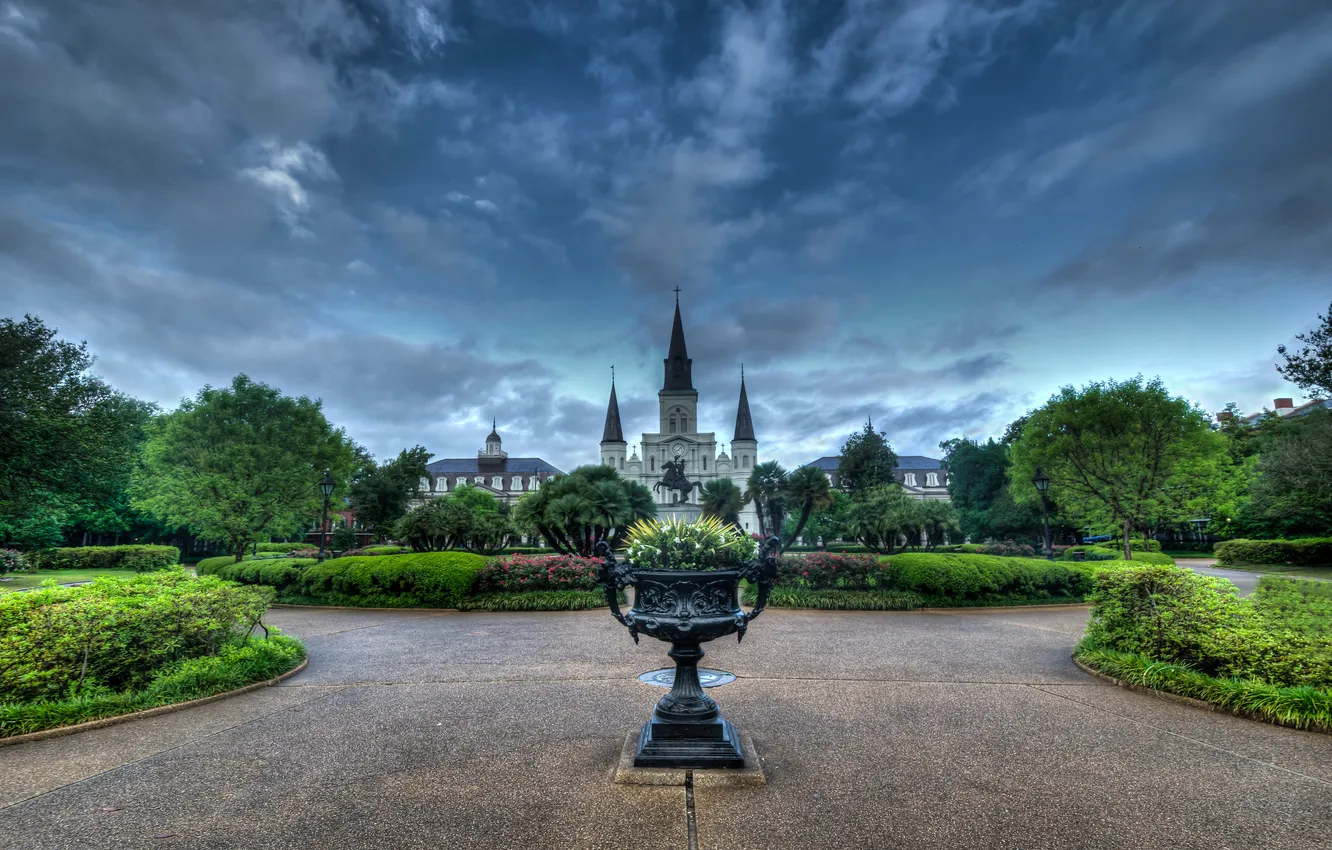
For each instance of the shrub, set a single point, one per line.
(376, 550)
(342, 539)
(281, 547)
(982, 577)
(537, 600)
(116, 633)
(13, 561)
(838, 599)
(235, 666)
(1101, 553)
(1175, 616)
(1008, 549)
(1313, 551)
(137, 558)
(825, 571)
(424, 580)
(540, 572)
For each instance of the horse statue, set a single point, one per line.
(673, 478)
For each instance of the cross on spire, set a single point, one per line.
(677, 296)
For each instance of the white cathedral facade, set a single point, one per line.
(678, 440)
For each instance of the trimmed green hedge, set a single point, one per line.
(1313, 551)
(978, 578)
(235, 666)
(281, 547)
(139, 558)
(116, 634)
(424, 580)
(1103, 553)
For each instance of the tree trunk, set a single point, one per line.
(1128, 540)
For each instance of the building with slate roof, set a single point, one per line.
(922, 477)
(506, 478)
(678, 438)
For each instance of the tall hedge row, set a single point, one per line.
(139, 558)
(975, 578)
(424, 580)
(1313, 551)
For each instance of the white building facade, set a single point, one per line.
(678, 440)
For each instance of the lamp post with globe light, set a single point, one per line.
(326, 485)
(1042, 482)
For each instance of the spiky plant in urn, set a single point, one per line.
(686, 579)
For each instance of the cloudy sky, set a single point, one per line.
(428, 213)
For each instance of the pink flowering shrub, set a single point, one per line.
(538, 572)
(824, 570)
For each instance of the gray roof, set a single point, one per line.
(829, 463)
(471, 466)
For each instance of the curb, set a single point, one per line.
(62, 731)
(1193, 703)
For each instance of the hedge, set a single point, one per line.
(138, 558)
(235, 666)
(838, 599)
(281, 547)
(522, 573)
(423, 580)
(1313, 551)
(116, 634)
(978, 578)
(537, 600)
(1176, 616)
(1103, 553)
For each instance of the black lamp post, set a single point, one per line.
(326, 485)
(1042, 482)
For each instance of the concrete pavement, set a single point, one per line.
(877, 729)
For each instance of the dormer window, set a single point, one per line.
(911, 479)
(931, 479)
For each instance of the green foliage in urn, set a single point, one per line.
(674, 544)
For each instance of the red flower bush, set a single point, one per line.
(821, 571)
(538, 572)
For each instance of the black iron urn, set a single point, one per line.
(687, 608)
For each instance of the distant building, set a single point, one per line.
(492, 470)
(1283, 407)
(921, 477)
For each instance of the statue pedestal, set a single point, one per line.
(682, 511)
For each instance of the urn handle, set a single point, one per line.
(762, 571)
(614, 577)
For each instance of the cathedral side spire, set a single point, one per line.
(678, 366)
(744, 423)
(612, 433)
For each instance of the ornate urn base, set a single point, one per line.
(687, 609)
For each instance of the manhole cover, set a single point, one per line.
(708, 678)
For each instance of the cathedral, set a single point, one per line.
(678, 458)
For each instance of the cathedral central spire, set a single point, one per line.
(678, 366)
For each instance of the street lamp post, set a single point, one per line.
(326, 485)
(1042, 482)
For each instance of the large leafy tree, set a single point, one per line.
(1123, 451)
(241, 464)
(721, 498)
(979, 491)
(807, 489)
(884, 518)
(68, 441)
(577, 511)
(766, 489)
(468, 518)
(381, 494)
(867, 463)
(1291, 492)
(1310, 368)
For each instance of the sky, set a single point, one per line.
(428, 213)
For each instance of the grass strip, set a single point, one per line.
(537, 600)
(1302, 707)
(236, 666)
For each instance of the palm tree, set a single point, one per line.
(722, 499)
(765, 489)
(809, 488)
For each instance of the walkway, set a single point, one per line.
(443, 730)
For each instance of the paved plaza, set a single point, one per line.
(445, 730)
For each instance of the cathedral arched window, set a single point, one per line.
(621, 463)
(705, 464)
(652, 464)
(684, 424)
(672, 424)
(745, 460)
(679, 367)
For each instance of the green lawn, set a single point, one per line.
(18, 581)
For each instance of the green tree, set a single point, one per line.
(883, 518)
(808, 490)
(828, 523)
(240, 464)
(1311, 368)
(468, 518)
(721, 498)
(979, 491)
(577, 511)
(381, 495)
(1126, 451)
(867, 462)
(766, 489)
(69, 440)
(1291, 491)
